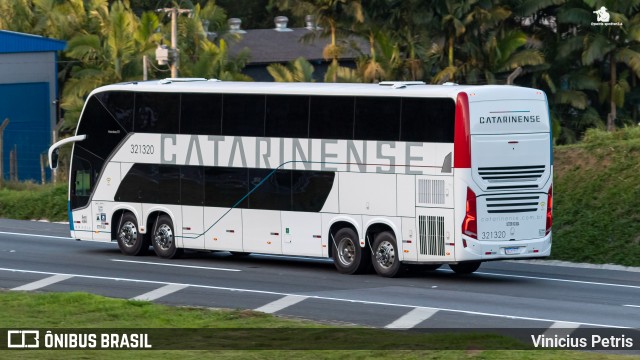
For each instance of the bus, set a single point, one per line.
(386, 176)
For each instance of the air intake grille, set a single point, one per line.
(431, 235)
(520, 203)
(430, 191)
(511, 177)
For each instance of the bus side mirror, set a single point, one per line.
(53, 161)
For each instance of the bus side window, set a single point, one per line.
(331, 117)
(427, 119)
(243, 115)
(157, 113)
(287, 116)
(377, 118)
(201, 114)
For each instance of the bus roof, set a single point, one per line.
(388, 88)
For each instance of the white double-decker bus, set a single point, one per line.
(386, 174)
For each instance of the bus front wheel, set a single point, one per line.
(465, 267)
(349, 257)
(130, 241)
(163, 238)
(385, 255)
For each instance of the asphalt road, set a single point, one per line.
(40, 256)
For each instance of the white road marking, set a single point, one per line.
(176, 265)
(355, 301)
(160, 292)
(281, 303)
(412, 318)
(635, 306)
(36, 235)
(561, 329)
(552, 279)
(42, 283)
(322, 259)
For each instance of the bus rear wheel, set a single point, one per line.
(349, 257)
(385, 255)
(130, 241)
(465, 267)
(163, 238)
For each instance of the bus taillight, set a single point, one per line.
(549, 210)
(470, 224)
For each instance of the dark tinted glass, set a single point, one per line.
(224, 187)
(192, 185)
(102, 130)
(82, 179)
(157, 113)
(120, 106)
(151, 183)
(243, 115)
(331, 117)
(273, 190)
(427, 120)
(287, 116)
(377, 118)
(310, 189)
(201, 114)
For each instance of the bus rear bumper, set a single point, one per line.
(501, 250)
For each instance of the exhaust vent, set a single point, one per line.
(431, 192)
(431, 232)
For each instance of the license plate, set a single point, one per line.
(512, 250)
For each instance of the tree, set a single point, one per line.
(109, 50)
(299, 70)
(331, 15)
(608, 46)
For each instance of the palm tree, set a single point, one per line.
(108, 51)
(607, 46)
(331, 15)
(299, 70)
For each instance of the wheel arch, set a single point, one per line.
(335, 227)
(117, 214)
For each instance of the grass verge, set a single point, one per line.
(81, 311)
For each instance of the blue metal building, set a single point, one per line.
(28, 93)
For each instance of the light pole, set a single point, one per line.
(175, 59)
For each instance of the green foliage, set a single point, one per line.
(464, 41)
(29, 201)
(597, 197)
(299, 70)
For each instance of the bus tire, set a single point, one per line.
(349, 258)
(130, 240)
(163, 238)
(465, 267)
(385, 260)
